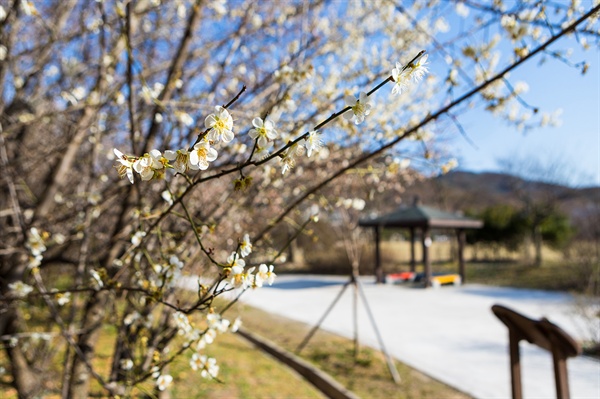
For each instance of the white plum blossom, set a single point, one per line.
(239, 278)
(221, 125)
(263, 131)
(184, 118)
(34, 261)
(167, 196)
(185, 327)
(126, 364)
(235, 260)
(35, 242)
(402, 75)
(181, 159)
(148, 164)
(441, 25)
(450, 165)
(136, 239)
(19, 289)
(202, 154)
(237, 323)
(130, 318)
(358, 204)
(288, 158)
(211, 369)
(175, 262)
(521, 87)
(461, 9)
(96, 280)
(182, 323)
(265, 274)
(312, 143)
(163, 381)
(217, 323)
(245, 246)
(196, 362)
(236, 276)
(419, 68)
(206, 339)
(263, 152)
(28, 7)
(155, 371)
(208, 366)
(401, 78)
(219, 6)
(149, 95)
(63, 299)
(359, 108)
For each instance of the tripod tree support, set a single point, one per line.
(357, 287)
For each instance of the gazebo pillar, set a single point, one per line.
(379, 278)
(412, 250)
(426, 241)
(460, 233)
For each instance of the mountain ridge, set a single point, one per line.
(474, 191)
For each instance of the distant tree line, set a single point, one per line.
(511, 227)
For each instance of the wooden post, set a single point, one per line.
(561, 378)
(413, 262)
(515, 365)
(461, 257)
(379, 279)
(426, 241)
(544, 334)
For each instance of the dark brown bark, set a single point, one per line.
(25, 380)
(94, 317)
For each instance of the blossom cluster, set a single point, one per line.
(215, 324)
(219, 131)
(239, 277)
(403, 75)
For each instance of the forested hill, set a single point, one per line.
(470, 191)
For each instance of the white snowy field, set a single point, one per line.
(449, 333)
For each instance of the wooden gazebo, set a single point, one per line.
(424, 219)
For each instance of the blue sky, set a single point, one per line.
(575, 144)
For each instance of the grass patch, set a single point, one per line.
(248, 372)
(552, 275)
(367, 375)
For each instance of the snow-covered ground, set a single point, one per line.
(449, 333)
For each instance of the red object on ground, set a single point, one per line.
(403, 276)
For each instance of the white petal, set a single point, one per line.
(211, 154)
(130, 174)
(350, 100)
(170, 155)
(209, 121)
(257, 122)
(194, 157)
(155, 153)
(262, 141)
(202, 164)
(227, 136)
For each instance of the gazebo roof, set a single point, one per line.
(423, 217)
